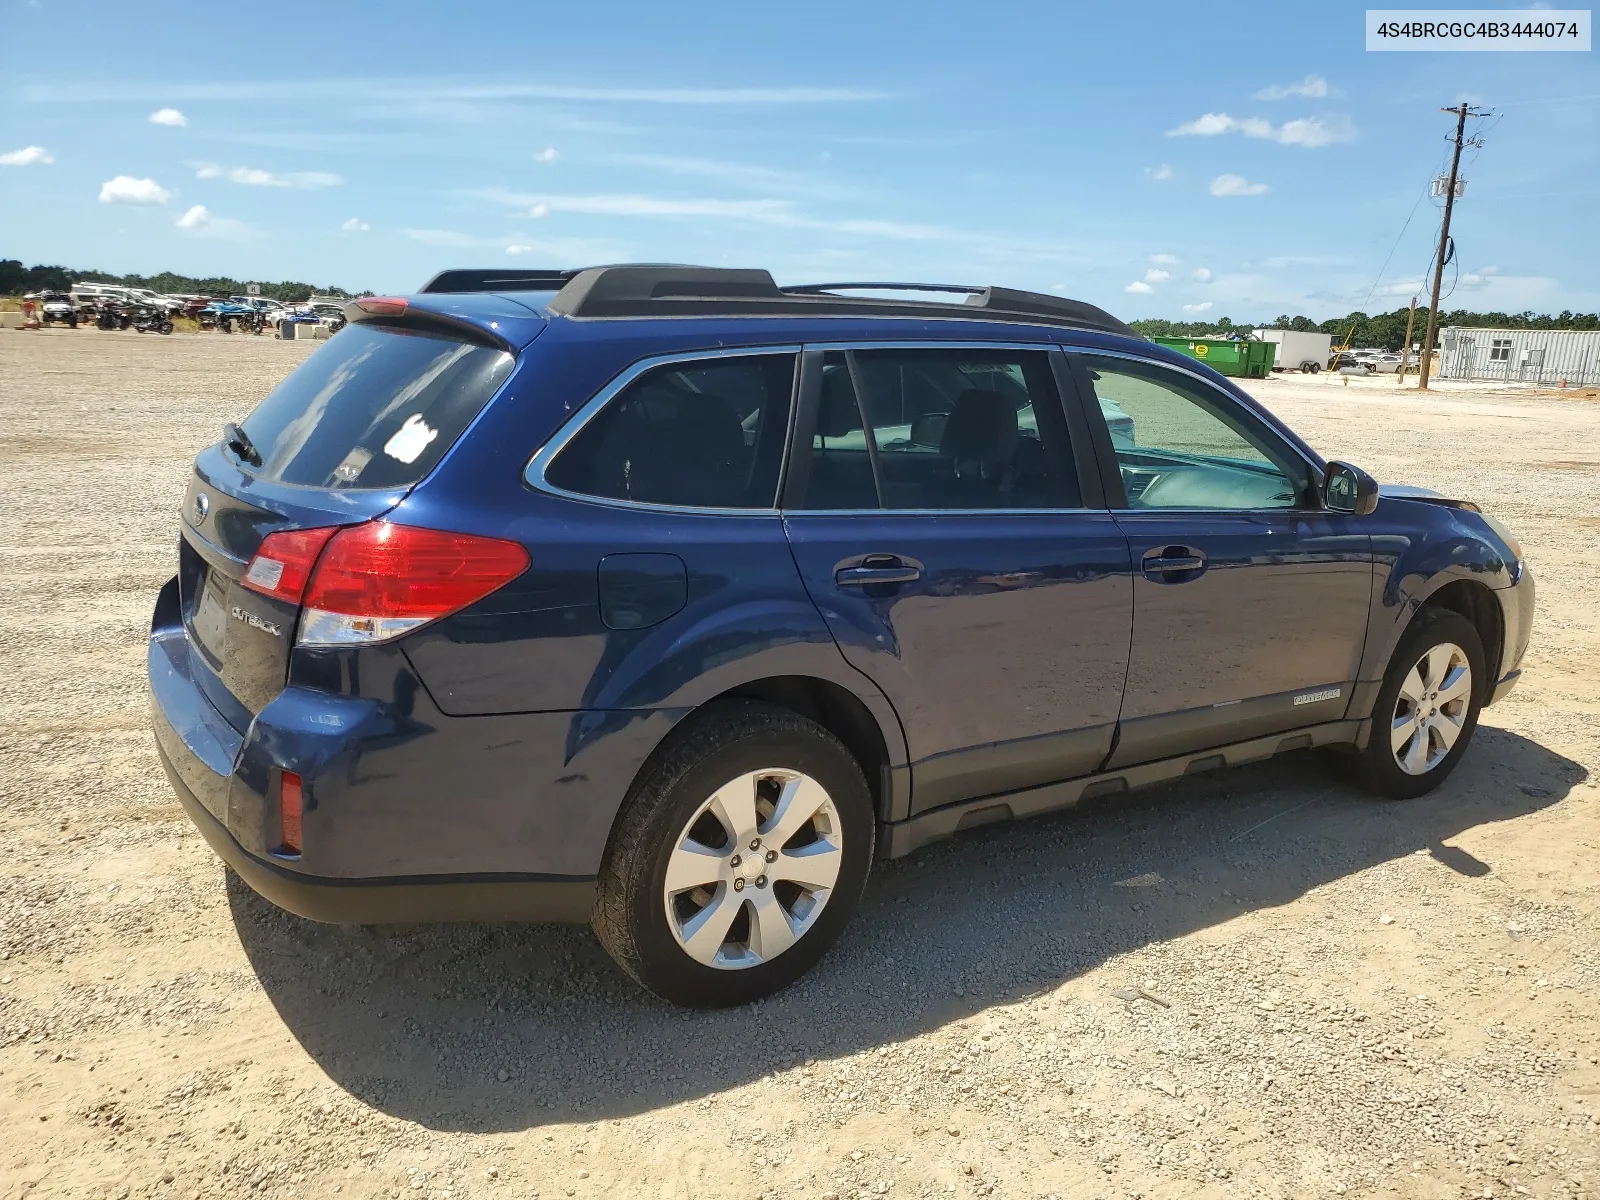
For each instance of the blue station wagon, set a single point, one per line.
(665, 599)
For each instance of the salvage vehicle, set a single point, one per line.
(56, 308)
(668, 600)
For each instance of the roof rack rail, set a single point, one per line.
(667, 289)
(536, 279)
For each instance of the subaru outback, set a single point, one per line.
(667, 599)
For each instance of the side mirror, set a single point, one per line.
(1348, 489)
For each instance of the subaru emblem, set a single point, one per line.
(202, 505)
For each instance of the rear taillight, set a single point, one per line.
(283, 563)
(290, 793)
(377, 581)
(382, 306)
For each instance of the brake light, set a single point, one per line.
(379, 580)
(382, 306)
(290, 792)
(282, 564)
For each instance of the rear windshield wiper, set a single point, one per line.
(239, 442)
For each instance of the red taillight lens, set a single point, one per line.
(382, 306)
(378, 580)
(289, 811)
(283, 563)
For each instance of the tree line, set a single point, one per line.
(17, 280)
(1385, 331)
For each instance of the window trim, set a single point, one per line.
(533, 475)
(1112, 474)
(810, 395)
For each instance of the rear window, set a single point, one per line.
(376, 407)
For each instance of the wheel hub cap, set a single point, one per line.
(1431, 709)
(753, 868)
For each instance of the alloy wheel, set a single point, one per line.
(1431, 709)
(752, 870)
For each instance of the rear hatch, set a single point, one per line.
(339, 442)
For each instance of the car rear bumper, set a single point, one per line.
(385, 841)
(389, 901)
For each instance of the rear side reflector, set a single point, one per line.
(289, 813)
(283, 563)
(378, 580)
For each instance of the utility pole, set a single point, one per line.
(1462, 111)
(1405, 348)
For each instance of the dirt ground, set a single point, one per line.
(1345, 998)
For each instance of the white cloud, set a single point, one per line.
(28, 156)
(441, 237)
(1202, 275)
(199, 220)
(519, 248)
(1310, 132)
(255, 177)
(1157, 275)
(345, 88)
(125, 189)
(1312, 87)
(774, 212)
(1203, 306)
(1235, 185)
(1160, 174)
(168, 116)
(355, 225)
(1166, 260)
(1207, 126)
(548, 155)
(1138, 288)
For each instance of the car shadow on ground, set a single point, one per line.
(504, 1027)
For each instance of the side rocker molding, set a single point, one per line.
(905, 836)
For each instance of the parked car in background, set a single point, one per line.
(1389, 363)
(1349, 361)
(88, 294)
(55, 308)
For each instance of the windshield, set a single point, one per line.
(377, 407)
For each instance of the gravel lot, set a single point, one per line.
(1333, 996)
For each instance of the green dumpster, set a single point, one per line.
(1247, 358)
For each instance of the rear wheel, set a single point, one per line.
(1428, 706)
(738, 858)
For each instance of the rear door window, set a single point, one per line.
(704, 433)
(950, 429)
(377, 407)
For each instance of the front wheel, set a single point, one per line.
(166, 327)
(1428, 706)
(739, 856)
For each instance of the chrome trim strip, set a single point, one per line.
(936, 344)
(534, 473)
(946, 512)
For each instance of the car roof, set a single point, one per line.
(676, 305)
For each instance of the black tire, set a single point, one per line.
(1377, 768)
(166, 327)
(724, 742)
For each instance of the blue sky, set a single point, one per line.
(1156, 159)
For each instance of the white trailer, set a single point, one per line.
(1308, 352)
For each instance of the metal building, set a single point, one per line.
(1544, 356)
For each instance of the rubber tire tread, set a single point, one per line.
(627, 916)
(1376, 768)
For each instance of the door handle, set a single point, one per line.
(1173, 564)
(878, 569)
